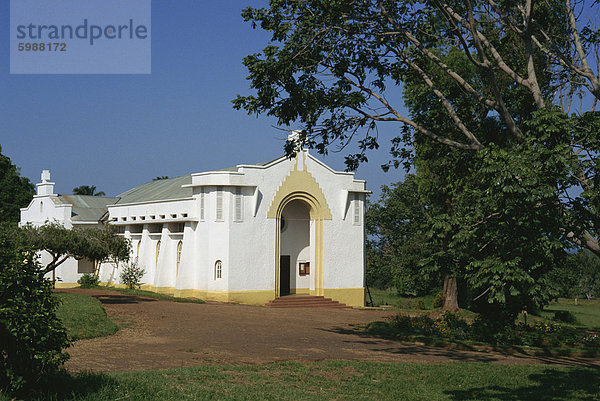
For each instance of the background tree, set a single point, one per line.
(100, 244)
(87, 190)
(396, 240)
(15, 191)
(161, 177)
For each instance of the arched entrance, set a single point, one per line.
(295, 249)
(300, 190)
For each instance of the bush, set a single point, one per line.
(88, 280)
(31, 336)
(420, 304)
(132, 275)
(564, 316)
(438, 301)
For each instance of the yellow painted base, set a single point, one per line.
(259, 297)
(348, 296)
(66, 285)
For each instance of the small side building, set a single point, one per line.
(246, 234)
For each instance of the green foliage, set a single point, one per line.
(88, 280)
(438, 301)
(87, 190)
(579, 276)
(565, 316)
(452, 327)
(83, 317)
(31, 337)
(132, 275)
(15, 191)
(100, 244)
(396, 243)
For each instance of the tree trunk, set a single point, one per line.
(450, 293)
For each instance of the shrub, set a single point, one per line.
(438, 301)
(31, 336)
(88, 280)
(420, 304)
(564, 316)
(132, 275)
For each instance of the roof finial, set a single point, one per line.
(45, 176)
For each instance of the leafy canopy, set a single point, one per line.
(15, 191)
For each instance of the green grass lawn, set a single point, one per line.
(83, 317)
(586, 312)
(336, 380)
(391, 297)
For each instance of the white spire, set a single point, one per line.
(45, 187)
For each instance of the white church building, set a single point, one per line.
(247, 234)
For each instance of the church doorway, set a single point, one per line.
(295, 249)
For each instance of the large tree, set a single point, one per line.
(336, 68)
(15, 191)
(488, 88)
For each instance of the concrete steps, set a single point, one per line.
(304, 301)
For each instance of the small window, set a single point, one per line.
(162, 216)
(356, 209)
(41, 207)
(219, 203)
(179, 249)
(173, 216)
(184, 215)
(218, 269)
(238, 204)
(202, 204)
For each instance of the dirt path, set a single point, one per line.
(162, 334)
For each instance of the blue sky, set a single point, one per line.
(119, 131)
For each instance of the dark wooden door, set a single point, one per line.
(284, 275)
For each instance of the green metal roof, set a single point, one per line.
(169, 188)
(87, 207)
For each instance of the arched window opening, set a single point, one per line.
(179, 248)
(137, 252)
(219, 269)
(157, 251)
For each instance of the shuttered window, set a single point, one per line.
(202, 204)
(219, 203)
(356, 209)
(238, 204)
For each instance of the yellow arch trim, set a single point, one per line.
(301, 185)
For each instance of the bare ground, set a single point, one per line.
(161, 334)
